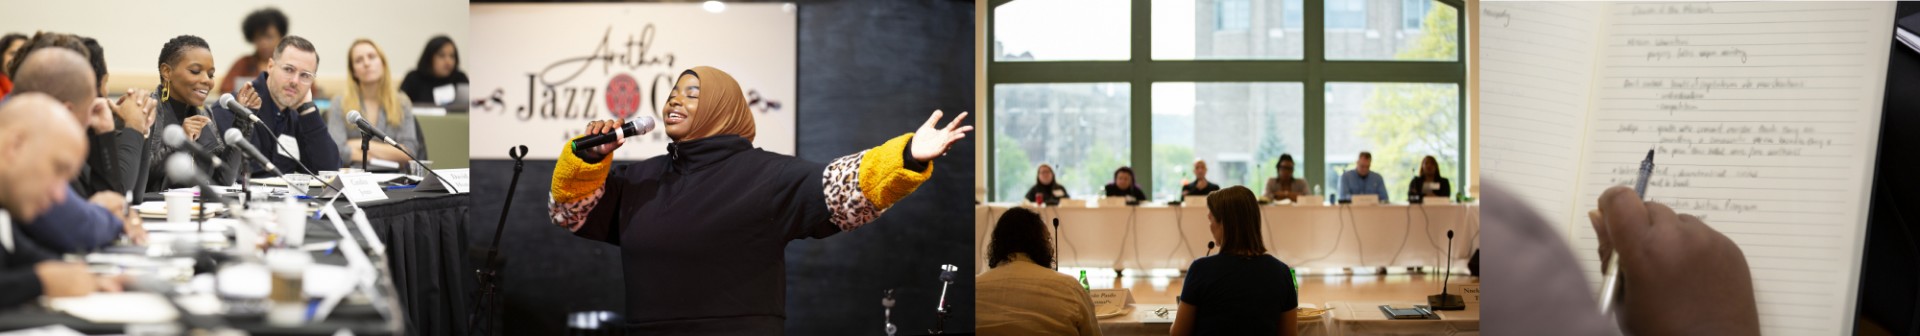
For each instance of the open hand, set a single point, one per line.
(930, 143)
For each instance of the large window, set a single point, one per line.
(1087, 87)
(1392, 30)
(1239, 129)
(1079, 129)
(1060, 30)
(1224, 30)
(1399, 123)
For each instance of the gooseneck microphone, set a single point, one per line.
(237, 109)
(237, 139)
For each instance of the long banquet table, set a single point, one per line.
(1170, 237)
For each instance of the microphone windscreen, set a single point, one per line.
(180, 167)
(234, 136)
(644, 123)
(354, 116)
(174, 135)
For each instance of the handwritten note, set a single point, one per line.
(1763, 119)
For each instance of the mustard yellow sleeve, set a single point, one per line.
(574, 178)
(884, 179)
(577, 189)
(861, 186)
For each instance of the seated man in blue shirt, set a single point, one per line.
(1362, 181)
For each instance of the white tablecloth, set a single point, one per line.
(1155, 236)
(1141, 321)
(1363, 318)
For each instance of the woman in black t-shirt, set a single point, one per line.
(1242, 290)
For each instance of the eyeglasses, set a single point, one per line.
(306, 77)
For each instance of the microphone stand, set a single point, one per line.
(940, 312)
(1056, 243)
(489, 273)
(366, 139)
(1444, 301)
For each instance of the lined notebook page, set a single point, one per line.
(1764, 117)
(1536, 73)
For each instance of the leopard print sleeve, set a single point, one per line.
(860, 187)
(573, 215)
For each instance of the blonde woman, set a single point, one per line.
(371, 91)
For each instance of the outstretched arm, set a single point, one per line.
(859, 187)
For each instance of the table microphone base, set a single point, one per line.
(1444, 301)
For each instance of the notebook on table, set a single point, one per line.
(1764, 118)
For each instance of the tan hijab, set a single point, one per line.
(723, 108)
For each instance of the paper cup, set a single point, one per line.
(179, 207)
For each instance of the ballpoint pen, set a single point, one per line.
(1610, 287)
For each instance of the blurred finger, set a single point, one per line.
(955, 124)
(1625, 215)
(931, 120)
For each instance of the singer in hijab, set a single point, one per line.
(702, 230)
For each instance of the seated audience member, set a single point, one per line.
(1020, 294)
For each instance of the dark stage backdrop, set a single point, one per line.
(869, 70)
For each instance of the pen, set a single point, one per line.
(1610, 288)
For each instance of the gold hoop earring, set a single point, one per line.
(164, 92)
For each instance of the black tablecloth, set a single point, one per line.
(425, 235)
(426, 238)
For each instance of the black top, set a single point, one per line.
(1115, 191)
(1238, 295)
(703, 230)
(1418, 186)
(309, 128)
(113, 161)
(172, 112)
(1191, 190)
(419, 84)
(1049, 194)
(18, 283)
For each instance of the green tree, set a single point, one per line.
(1408, 121)
(1172, 165)
(1267, 155)
(1013, 169)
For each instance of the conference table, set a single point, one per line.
(1158, 236)
(426, 249)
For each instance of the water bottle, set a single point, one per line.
(1083, 281)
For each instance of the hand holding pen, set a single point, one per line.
(1677, 275)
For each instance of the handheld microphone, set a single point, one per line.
(176, 137)
(366, 127)
(638, 125)
(238, 109)
(235, 138)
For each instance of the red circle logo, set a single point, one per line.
(623, 96)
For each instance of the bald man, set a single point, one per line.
(1200, 186)
(82, 225)
(47, 147)
(116, 144)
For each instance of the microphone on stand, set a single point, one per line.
(236, 139)
(1444, 301)
(237, 109)
(1056, 243)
